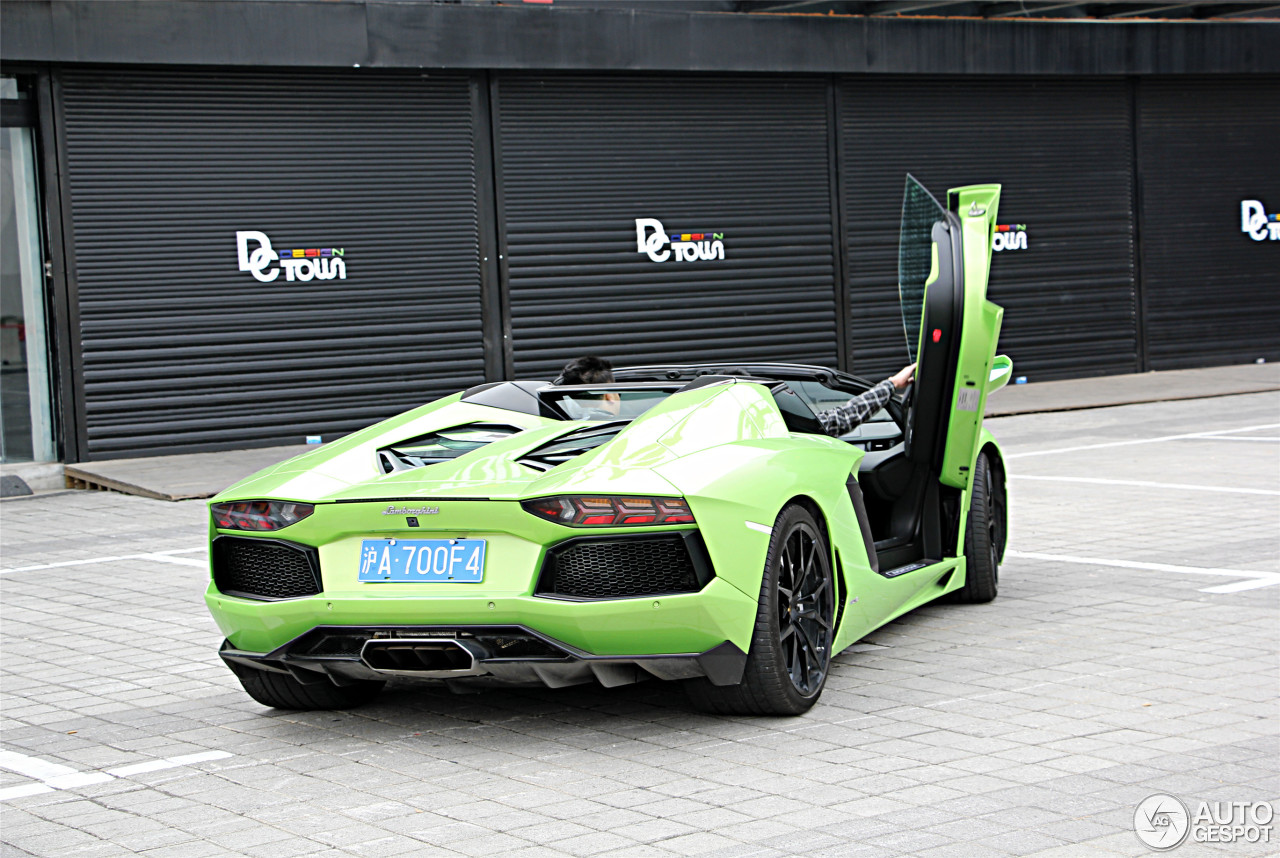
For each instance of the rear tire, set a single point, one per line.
(984, 535)
(790, 653)
(282, 691)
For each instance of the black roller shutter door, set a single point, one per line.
(181, 350)
(1063, 152)
(580, 159)
(1211, 292)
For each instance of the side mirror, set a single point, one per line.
(1001, 372)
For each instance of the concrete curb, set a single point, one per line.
(202, 475)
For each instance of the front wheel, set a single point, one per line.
(984, 534)
(790, 651)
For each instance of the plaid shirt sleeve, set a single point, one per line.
(841, 419)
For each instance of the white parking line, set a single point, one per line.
(170, 763)
(187, 561)
(1147, 484)
(161, 556)
(1254, 579)
(1210, 435)
(33, 767)
(55, 776)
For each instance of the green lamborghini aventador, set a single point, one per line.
(685, 522)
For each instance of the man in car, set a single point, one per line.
(590, 369)
(843, 418)
(587, 369)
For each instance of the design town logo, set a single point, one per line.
(652, 238)
(1009, 236)
(1255, 221)
(316, 263)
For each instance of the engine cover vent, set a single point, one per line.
(443, 445)
(570, 446)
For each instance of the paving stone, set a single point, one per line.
(1030, 726)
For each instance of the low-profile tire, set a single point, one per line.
(282, 691)
(790, 651)
(984, 535)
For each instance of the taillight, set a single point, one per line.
(259, 515)
(610, 511)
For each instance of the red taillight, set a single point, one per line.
(548, 508)
(259, 515)
(596, 511)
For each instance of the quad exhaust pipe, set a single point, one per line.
(426, 658)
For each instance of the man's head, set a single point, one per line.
(588, 369)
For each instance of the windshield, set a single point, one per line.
(820, 398)
(606, 402)
(920, 211)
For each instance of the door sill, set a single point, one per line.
(913, 566)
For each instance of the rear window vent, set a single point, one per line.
(441, 446)
(570, 446)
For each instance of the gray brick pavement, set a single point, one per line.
(1030, 726)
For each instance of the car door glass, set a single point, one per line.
(920, 211)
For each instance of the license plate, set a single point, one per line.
(460, 561)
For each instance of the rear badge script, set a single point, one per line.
(411, 510)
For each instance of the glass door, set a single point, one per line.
(916, 260)
(931, 292)
(26, 421)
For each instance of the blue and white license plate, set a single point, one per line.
(459, 561)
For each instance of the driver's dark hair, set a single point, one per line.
(587, 369)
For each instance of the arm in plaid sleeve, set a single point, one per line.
(841, 419)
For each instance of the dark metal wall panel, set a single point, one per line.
(617, 36)
(1063, 152)
(1211, 293)
(180, 350)
(581, 158)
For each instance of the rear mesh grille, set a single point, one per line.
(264, 568)
(517, 644)
(617, 568)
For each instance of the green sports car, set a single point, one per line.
(684, 522)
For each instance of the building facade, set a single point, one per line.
(242, 223)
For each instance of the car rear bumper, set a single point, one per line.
(666, 623)
(508, 654)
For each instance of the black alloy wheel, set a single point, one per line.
(791, 646)
(984, 534)
(804, 610)
(996, 514)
